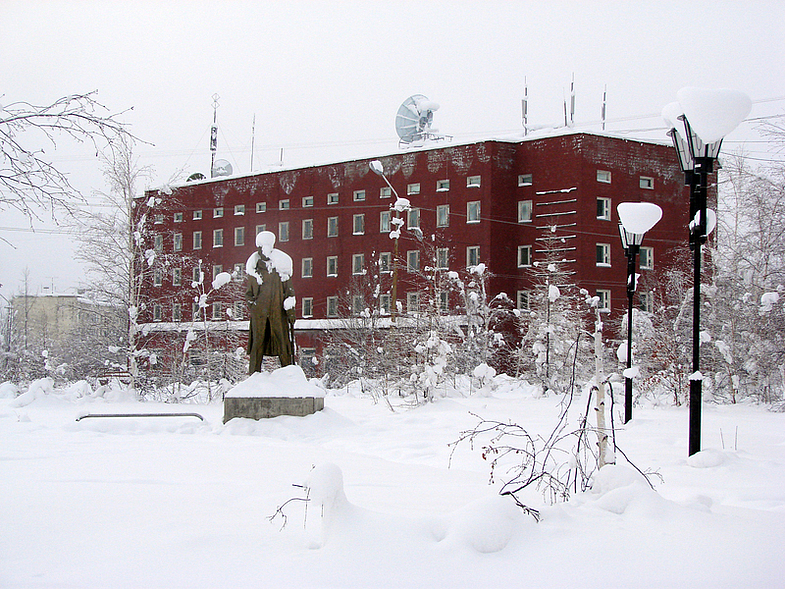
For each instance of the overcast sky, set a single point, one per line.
(325, 79)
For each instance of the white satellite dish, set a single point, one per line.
(222, 168)
(414, 118)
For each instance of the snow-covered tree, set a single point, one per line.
(30, 182)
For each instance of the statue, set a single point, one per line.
(271, 303)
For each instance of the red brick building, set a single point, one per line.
(485, 202)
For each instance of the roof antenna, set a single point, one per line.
(214, 135)
(525, 107)
(253, 135)
(572, 100)
(604, 102)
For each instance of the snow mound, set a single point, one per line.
(619, 489)
(707, 458)
(289, 381)
(487, 525)
(8, 390)
(37, 390)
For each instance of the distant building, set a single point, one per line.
(492, 202)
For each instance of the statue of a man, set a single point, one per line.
(271, 303)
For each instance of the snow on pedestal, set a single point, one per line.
(285, 391)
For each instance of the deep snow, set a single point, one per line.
(177, 502)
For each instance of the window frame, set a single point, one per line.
(606, 214)
(442, 215)
(332, 261)
(358, 224)
(239, 236)
(332, 226)
(529, 250)
(473, 211)
(603, 261)
(283, 231)
(473, 181)
(413, 261)
(306, 268)
(525, 179)
(358, 264)
(218, 238)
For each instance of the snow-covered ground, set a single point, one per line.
(178, 502)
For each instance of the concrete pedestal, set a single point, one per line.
(264, 407)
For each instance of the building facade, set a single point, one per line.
(506, 204)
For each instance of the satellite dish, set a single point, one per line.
(222, 168)
(414, 118)
(195, 176)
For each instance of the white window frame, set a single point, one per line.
(413, 219)
(527, 262)
(332, 226)
(525, 206)
(473, 211)
(177, 276)
(647, 257)
(197, 216)
(283, 231)
(332, 306)
(332, 198)
(358, 304)
(307, 306)
(385, 303)
(413, 302)
(523, 300)
(177, 242)
(239, 236)
(358, 264)
(473, 181)
(385, 221)
(646, 182)
(307, 202)
(442, 215)
(197, 240)
(177, 313)
(261, 207)
(413, 261)
(358, 224)
(442, 258)
(239, 209)
(218, 212)
(604, 202)
(385, 263)
(284, 204)
(604, 176)
(307, 229)
(442, 185)
(525, 179)
(306, 268)
(385, 192)
(158, 243)
(604, 304)
(472, 253)
(332, 260)
(218, 238)
(358, 195)
(178, 217)
(603, 255)
(412, 189)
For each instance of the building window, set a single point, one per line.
(603, 176)
(218, 237)
(443, 301)
(177, 315)
(196, 311)
(605, 300)
(524, 256)
(647, 183)
(196, 275)
(647, 258)
(413, 260)
(384, 221)
(177, 242)
(158, 243)
(158, 277)
(358, 263)
(358, 195)
(472, 256)
(332, 226)
(260, 228)
(239, 271)
(473, 211)
(524, 211)
(385, 262)
(442, 215)
(332, 198)
(646, 302)
(197, 215)
(413, 189)
(218, 212)
(332, 265)
(239, 209)
(307, 201)
(604, 208)
(412, 302)
(522, 301)
(261, 207)
(442, 185)
(157, 312)
(332, 306)
(197, 240)
(283, 231)
(217, 269)
(178, 217)
(159, 219)
(237, 310)
(177, 276)
(357, 304)
(358, 224)
(308, 307)
(442, 258)
(307, 228)
(307, 268)
(384, 304)
(413, 217)
(217, 310)
(385, 192)
(239, 236)
(283, 204)
(524, 180)
(603, 254)
(473, 181)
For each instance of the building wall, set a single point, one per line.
(564, 189)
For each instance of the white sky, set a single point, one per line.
(324, 79)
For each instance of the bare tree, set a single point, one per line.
(28, 180)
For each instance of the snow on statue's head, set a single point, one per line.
(265, 241)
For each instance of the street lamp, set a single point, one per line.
(700, 120)
(400, 205)
(636, 219)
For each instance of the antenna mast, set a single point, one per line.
(214, 135)
(604, 102)
(253, 134)
(525, 107)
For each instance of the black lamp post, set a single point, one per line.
(636, 219)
